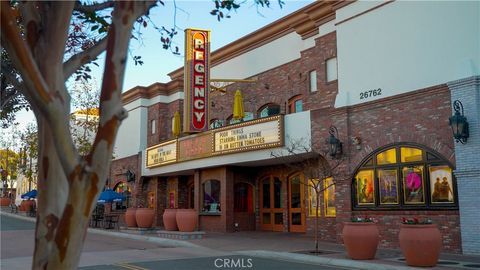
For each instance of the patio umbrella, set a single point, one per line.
(108, 196)
(32, 194)
(238, 112)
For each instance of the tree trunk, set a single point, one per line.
(316, 220)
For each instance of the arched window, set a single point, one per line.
(216, 123)
(269, 110)
(404, 177)
(295, 104)
(125, 189)
(211, 196)
(243, 197)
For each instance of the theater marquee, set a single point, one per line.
(196, 80)
(248, 136)
(252, 135)
(161, 154)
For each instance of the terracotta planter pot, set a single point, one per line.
(144, 217)
(420, 244)
(130, 217)
(186, 220)
(360, 239)
(170, 219)
(4, 201)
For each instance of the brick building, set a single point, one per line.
(384, 74)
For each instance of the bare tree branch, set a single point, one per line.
(84, 57)
(94, 7)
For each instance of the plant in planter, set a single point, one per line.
(420, 242)
(360, 237)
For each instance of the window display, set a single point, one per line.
(404, 176)
(365, 187)
(388, 186)
(441, 184)
(211, 196)
(413, 184)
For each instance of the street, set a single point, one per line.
(103, 252)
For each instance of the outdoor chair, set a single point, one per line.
(111, 221)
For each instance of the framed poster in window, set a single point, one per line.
(329, 197)
(365, 187)
(441, 184)
(413, 185)
(388, 186)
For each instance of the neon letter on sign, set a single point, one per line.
(197, 80)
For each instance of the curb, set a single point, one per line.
(163, 242)
(302, 258)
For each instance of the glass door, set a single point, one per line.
(296, 208)
(271, 204)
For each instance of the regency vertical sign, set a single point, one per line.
(196, 80)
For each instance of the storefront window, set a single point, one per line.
(211, 196)
(312, 197)
(329, 197)
(406, 177)
(243, 200)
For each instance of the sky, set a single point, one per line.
(189, 14)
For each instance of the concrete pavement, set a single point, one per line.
(268, 246)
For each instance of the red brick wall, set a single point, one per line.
(119, 167)
(417, 117)
(163, 114)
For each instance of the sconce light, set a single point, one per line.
(459, 123)
(335, 145)
(130, 176)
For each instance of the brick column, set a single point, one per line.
(468, 164)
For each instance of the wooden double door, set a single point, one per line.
(273, 208)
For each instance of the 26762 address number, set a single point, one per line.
(371, 93)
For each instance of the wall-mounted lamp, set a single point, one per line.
(335, 145)
(130, 175)
(459, 123)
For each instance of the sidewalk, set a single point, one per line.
(292, 247)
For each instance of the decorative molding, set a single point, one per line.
(312, 15)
